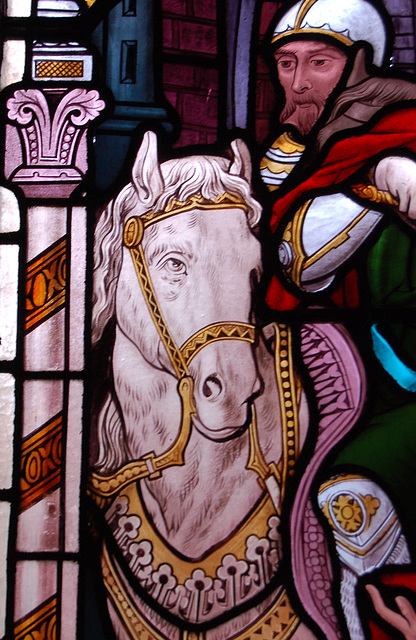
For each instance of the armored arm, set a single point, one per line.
(320, 238)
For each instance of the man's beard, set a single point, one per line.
(303, 118)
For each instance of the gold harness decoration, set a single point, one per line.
(150, 466)
(278, 622)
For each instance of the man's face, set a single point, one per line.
(308, 71)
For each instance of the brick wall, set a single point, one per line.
(190, 73)
(403, 13)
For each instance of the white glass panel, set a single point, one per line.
(13, 64)
(36, 581)
(77, 288)
(69, 601)
(7, 408)
(19, 8)
(9, 211)
(73, 466)
(4, 530)
(38, 526)
(44, 346)
(46, 225)
(42, 401)
(9, 255)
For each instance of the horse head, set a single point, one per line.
(199, 255)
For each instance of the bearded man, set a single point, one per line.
(344, 172)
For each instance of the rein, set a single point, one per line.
(150, 466)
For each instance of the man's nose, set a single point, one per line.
(301, 82)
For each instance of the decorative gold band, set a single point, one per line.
(214, 333)
(323, 32)
(135, 226)
(279, 622)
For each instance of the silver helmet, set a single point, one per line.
(347, 21)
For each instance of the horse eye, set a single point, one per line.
(175, 266)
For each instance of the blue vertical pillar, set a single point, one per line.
(127, 42)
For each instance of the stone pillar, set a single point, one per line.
(126, 40)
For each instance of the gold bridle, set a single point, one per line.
(150, 466)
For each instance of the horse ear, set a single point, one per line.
(241, 163)
(147, 177)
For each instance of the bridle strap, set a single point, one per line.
(214, 333)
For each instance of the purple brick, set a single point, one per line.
(199, 110)
(181, 75)
(188, 136)
(211, 138)
(399, 7)
(268, 12)
(172, 96)
(404, 56)
(404, 42)
(174, 6)
(402, 25)
(168, 33)
(206, 78)
(197, 37)
(205, 9)
(262, 129)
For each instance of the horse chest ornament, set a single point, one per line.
(154, 591)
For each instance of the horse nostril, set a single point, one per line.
(212, 387)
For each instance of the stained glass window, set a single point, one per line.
(207, 343)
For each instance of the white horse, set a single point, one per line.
(200, 431)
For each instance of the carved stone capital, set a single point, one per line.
(48, 157)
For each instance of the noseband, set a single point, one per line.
(150, 466)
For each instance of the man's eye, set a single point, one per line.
(285, 64)
(174, 266)
(318, 63)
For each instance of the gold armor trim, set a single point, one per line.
(303, 10)
(286, 145)
(336, 479)
(296, 232)
(363, 552)
(278, 623)
(326, 32)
